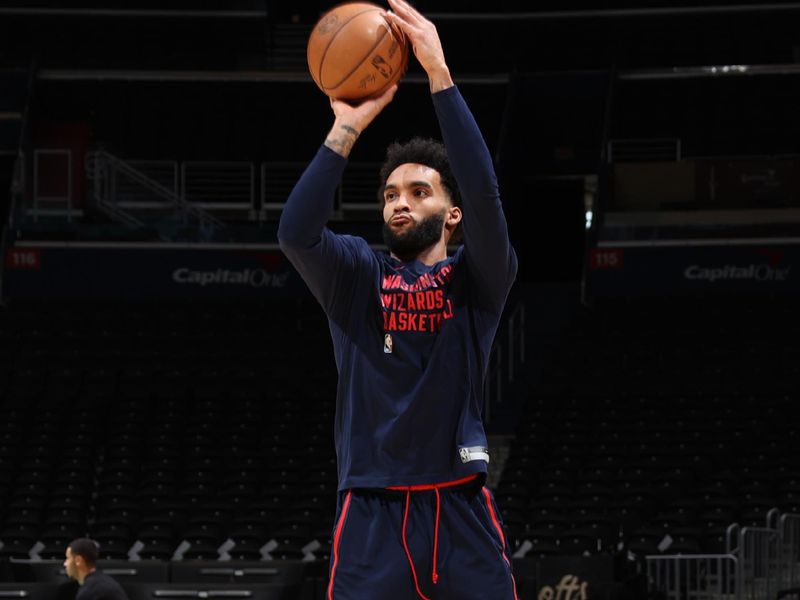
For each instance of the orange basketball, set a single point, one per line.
(354, 52)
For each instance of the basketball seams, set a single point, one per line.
(401, 67)
(333, 37)
(354, 69)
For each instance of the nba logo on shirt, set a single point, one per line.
(387, 343)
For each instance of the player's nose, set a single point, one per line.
(401, 203)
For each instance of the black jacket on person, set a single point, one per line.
(99, 586)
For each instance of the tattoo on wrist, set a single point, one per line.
(351, 130)
(342, 143)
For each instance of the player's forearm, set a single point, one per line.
(342, 137)
(439, 79)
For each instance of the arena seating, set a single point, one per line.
(167, 426)
(658, 423)
(184, 434)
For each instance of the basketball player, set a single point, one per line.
(412, 331)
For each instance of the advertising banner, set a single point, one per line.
(666, 270)
(564, 577)
(141, 272)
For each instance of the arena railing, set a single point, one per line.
(103, 180)
(760, 563)
(505, 360)
(759, 571)
(220, 186)
(277, 180)
(356, 197)
(700, 577)
(358, 194)
(788, 528)
(134, 191)
(47, 201)
(130, 195)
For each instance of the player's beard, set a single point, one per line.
(407, 245)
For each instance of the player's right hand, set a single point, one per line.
(351, 120)
(359, 116)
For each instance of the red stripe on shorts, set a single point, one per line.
(336, 539)
(499, 528)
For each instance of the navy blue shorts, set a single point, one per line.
(422, 543)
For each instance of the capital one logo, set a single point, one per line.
(752, 272)
(257, 278)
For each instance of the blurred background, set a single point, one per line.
(167, 383)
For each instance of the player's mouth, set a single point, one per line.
(398, 220)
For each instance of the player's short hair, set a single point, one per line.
(86, 549)
(423, 151)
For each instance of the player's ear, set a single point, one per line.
(453, 216)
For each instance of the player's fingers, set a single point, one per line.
(386, 97)
(408, 12)
(411, 31)
(402, 23)
(389, 94)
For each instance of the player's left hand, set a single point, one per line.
(424, 39)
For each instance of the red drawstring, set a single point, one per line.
(435, 575)
(408, 552)
(426, 488)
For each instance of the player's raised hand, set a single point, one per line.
(425, 40)
(351, 120)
